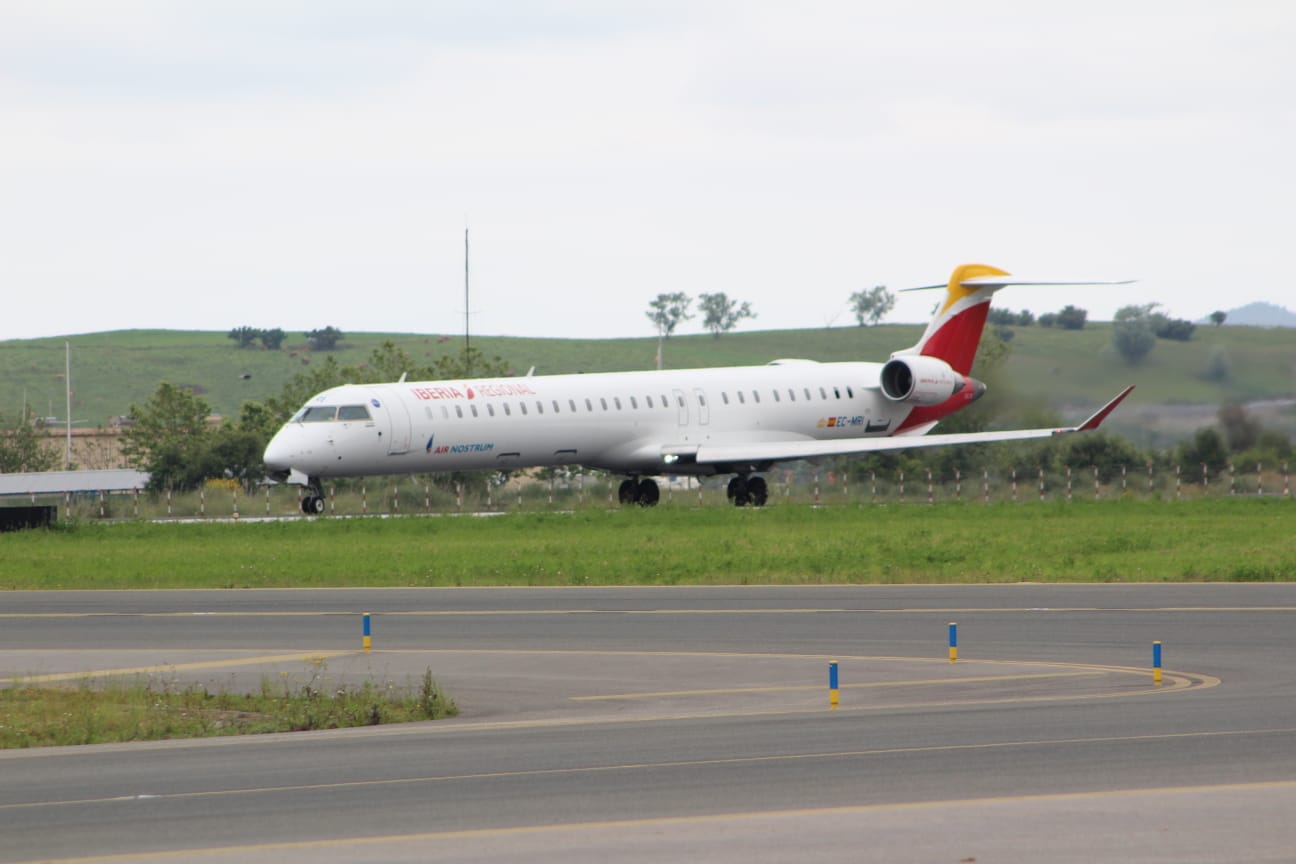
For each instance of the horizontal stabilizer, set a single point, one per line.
(1005, 281)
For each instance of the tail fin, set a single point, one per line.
(955, 329)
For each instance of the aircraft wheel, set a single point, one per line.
(649, 493)
(313, 505)
(738, 491)
(628, 493)
(758, 491)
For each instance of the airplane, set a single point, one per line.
(734, 420)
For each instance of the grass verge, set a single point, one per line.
(1207, 539)
(143, 710)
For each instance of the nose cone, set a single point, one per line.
(279, 453)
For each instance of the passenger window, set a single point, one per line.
(589, 406)
(702, 399)
(836, 393)
(459, 411)
(616, 400)
(539, 407)
(742, 400)
(648, 399)
(445, 413)
(557, 410)
(665, 402)
(724, 397)
(791, 395)
(473, 409)
(507, 412)
(849, 393)
(522, 405)
(756, 396)
(490, 409)
(634, 403)
(571, 403)
(603, 402)
(776, 396)
(823, 394)
(681, 401)
(807, 394)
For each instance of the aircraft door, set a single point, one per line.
(683, 406)
(704, 412)
(398, 421)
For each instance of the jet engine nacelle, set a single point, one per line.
(920, 380)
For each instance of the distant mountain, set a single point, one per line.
(1258, 315)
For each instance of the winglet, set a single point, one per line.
(1101, 414)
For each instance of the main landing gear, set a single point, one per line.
(313, 503)
(639, 490)
(747, 490)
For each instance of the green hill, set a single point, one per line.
(1070, 371)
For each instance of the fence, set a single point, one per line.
(581, 491)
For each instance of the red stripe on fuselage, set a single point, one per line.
(929, 413)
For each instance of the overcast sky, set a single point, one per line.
(215, 163)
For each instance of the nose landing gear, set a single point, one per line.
(313, 504)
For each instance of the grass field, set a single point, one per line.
(1206, 539)
(100, 712)
(1074, 369)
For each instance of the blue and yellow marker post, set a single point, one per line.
(1156, 663)
(832, 685)
(953, 642)
(368, 643)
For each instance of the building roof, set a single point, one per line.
(51, 482)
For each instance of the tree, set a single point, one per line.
(666, 312)
(1165, 327)
(1132, 332)
(324, 340)
(871, 306)
(469, 362)
(1218, 317)
(272, 339)
(20, 446)
(167, 438)
(1009, 318)
(720, 314)
(1072, 318)
(1206, 447)
(1241, 431)
(244, 336)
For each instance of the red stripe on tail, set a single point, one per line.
(956, 341)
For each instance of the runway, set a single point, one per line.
(685, 724)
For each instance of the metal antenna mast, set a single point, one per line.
(467, 339)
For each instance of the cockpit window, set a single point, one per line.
(353, 412)
(318, 414)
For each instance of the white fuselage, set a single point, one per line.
(627, 422)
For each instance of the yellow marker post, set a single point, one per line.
(368, 643)
(832, 685)
(953, 642)
(1156, 663)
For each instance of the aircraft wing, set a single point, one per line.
(779, 451)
